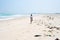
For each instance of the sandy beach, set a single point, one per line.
(43, 27)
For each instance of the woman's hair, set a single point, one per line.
(31, 14)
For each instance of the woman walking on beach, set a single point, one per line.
(31, 18)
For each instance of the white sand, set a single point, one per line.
(21, 29)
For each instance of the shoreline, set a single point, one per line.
(48, 27)
(19, 16)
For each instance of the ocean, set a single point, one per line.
(6, 16)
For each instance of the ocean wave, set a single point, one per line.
(10, 17)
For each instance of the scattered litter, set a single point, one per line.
(37, 35)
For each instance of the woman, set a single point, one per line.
(31, 18)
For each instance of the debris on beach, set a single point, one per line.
(49, 35)
(37, 35)
(58, 28)
(57, 39)
(49, 28)
(50, 17)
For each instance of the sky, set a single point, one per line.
(30, 6)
